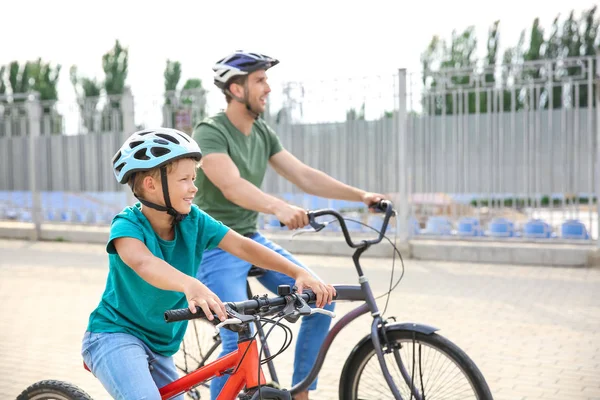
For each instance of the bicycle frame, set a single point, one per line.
(243, 362)
(247, 373)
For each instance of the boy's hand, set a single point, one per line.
(324, 292)
(197, 294)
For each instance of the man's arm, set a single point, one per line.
(224, 174)
(313, 181)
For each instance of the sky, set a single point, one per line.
(314, 40)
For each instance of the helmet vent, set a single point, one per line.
(116, 157)
(184, 137)
(120, 167)
(167, 137)
(159, 151)
(141, 155)
(135, 143)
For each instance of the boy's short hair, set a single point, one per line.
(137, 179)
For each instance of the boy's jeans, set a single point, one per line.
(126, 367)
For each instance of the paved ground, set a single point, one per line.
(533, 331)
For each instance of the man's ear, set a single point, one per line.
(237, 90)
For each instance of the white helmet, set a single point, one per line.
(240, 63)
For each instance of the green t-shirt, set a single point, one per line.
(251, 156)
(132, 305)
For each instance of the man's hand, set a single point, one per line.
(291, 216)
(197, 294)
(324, 292)
(371, 198)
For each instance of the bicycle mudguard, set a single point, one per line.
(400, 326)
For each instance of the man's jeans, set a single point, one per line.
(226, 276)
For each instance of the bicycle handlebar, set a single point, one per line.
(247, 307)
(382, 206)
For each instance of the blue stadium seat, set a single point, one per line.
(536, 228)
(501, 227)
(469, 226)
(438, 226)
(573, 229)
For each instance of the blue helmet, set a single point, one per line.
(152, 148)
(240, 63)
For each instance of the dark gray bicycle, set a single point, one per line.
(394, 361)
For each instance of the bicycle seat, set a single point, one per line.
(255, 271)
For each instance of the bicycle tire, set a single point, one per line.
(350, 380)
(55, 390)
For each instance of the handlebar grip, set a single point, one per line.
(381, 205)
(184, 314)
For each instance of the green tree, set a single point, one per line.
(114, 64)
(353, 115)
(172, 75)
(18, 78)
(2, 83)
(438, 58)
(44, 79)
(489, 66)
(590, 44)
(87, 92)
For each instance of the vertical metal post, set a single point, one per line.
(402, 175)
(597, 169)
(34, 111)
(128, 113)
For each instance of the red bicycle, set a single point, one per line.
(394, 360)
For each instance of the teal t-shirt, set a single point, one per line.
(130, 304)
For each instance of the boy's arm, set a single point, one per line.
(160, 274)
(259, 255)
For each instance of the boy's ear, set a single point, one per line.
(150, 183)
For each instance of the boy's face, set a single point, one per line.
(181, 185)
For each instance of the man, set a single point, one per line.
(237, 146)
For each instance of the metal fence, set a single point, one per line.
(514, 148)
(502, 153)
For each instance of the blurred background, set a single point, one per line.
(479, 119)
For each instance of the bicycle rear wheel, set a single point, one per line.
(436, 366)
(53, 390)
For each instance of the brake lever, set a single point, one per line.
(322, 311)
(295, 307)
(317, 226)
(228, 321)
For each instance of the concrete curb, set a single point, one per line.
(511, 252)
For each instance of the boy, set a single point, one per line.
(155, 248)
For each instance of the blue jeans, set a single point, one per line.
(226, 276)
(126, 367)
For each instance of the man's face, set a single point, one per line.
(258, 90)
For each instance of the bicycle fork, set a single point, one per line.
(377, 330)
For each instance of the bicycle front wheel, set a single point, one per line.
(53, 390)
(436, 366)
